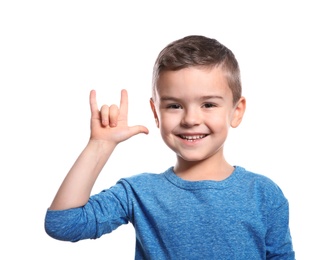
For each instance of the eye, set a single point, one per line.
(173, 106)
(209, 105)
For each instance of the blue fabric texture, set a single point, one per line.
(245, 216)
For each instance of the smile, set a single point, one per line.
(192, 137)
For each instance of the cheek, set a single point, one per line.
(168, 123)
(166, 127)
(165, 122)
(219, 122)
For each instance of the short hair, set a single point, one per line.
(201, 51)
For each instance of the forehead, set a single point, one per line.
(193, 81)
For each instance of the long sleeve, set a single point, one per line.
(102, 214)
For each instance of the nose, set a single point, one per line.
(191, 117)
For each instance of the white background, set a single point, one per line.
(52, 53)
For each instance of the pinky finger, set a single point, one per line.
(93, 104)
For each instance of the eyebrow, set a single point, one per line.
(169, 98)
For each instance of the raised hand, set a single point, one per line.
(110, 123)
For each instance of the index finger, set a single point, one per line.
(123, 104)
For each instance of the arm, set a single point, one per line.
(109, 127)
(278, 238)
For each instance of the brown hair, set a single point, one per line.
(196, 50)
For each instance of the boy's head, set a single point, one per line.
(198, 51)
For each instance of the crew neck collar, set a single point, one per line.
(204, 184)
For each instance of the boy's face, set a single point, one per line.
(194, 111)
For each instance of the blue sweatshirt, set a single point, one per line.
(245, 216)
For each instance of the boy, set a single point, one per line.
(202, 207)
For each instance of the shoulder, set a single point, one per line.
(255, 178)
(145, 181)
(145, 177)
(261, 186)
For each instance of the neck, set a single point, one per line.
(203, 170)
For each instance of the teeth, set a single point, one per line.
(192, 137)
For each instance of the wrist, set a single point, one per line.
(101, 146)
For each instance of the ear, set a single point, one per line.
(238, 112)
(154, 112)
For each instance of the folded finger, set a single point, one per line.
(113, 115)
(105, 113)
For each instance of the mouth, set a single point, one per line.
(192, 138)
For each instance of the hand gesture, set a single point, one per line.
(110, 122)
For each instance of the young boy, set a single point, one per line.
(202, 207)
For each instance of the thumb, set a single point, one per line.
(138, 129)
(132, 131)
